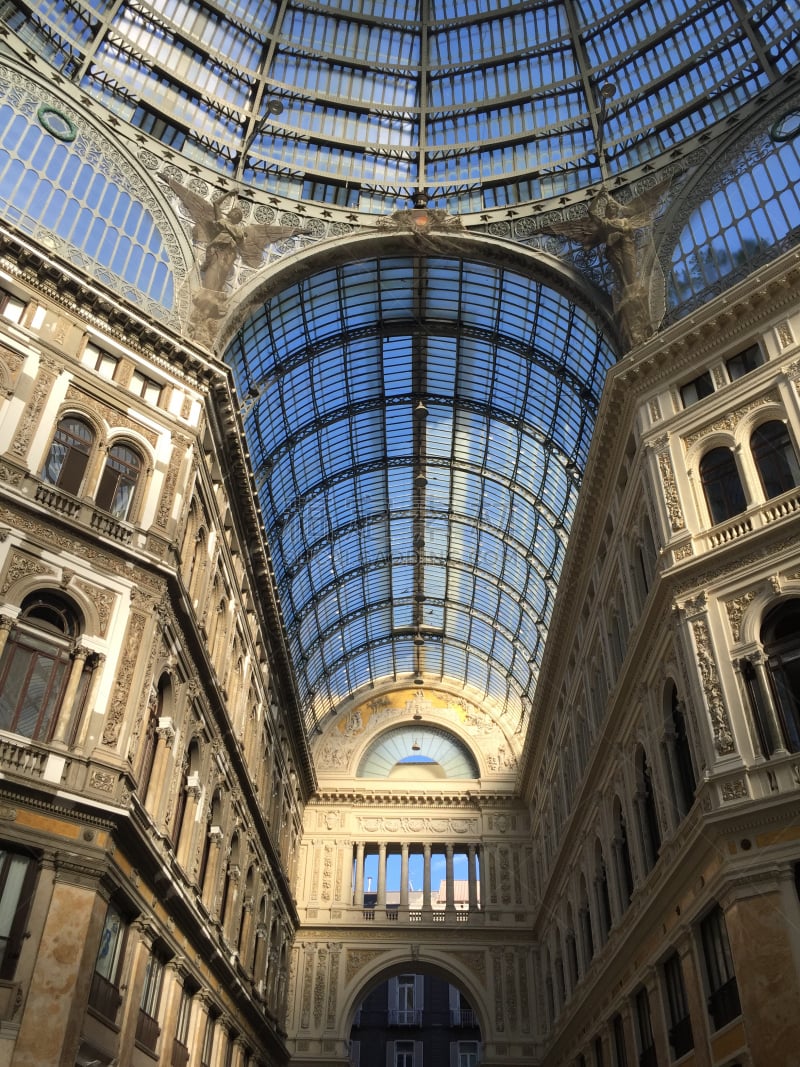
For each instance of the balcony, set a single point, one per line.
(84, 513)
(180, 1054)
(723, 1004)
(147, 1031)
(755, 518)
(404, 1017)
(680, 1038)
(104, 997)
(463, 1017)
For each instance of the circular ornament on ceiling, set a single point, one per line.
(56, 123)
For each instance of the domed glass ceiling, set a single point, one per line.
(475, 103)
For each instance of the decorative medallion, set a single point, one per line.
(56, 123)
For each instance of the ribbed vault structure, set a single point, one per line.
(475, 103)
(418, 428)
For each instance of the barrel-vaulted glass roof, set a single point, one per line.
(418, 428)
(476, 103)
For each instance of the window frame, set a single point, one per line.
(15, 904)
(116, 479)
(722, 484)
(775, 461)
(721, 984)
(679, 1030)
(74, 464)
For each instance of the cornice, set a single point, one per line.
(90, 304)
(361, 797)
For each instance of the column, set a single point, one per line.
(404, 875)
(212, 867)
(757, 918)
(239, 1051)
(260, 961)
(184, 847)
(381, 897)
(759, 664)
(201, 1005)
(53, 1011)
(472, 878)
(426, 878)
(79, 657)
(449, 888)
(170, 1000)
(358, 896)
(6, 624)
(142, 936)
(84, 736)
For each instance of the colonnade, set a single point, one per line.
(426, 898)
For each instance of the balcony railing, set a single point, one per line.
(87, 514)
(723, 1003)
(104, 997)
(405, 1017)
(180, 1054)
(462, 1017)
(680, 1037)
(147, 1031)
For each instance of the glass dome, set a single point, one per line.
(473, 104)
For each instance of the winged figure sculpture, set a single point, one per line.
(624, 231)
(219, 225)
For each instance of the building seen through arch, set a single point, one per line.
(399, 503)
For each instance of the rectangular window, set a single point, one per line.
(618, 1031)
(743, 362)
(180, 1049)
(406, 1054)
(647, 1046)
(208, 1042)
(11, 307)
(17, 878)
(104, 995)
(680, 1026)
(146, 388)
(723, 993)
(697, 388)
(100, 361)
(147, 1028)
(405, 1000)
(465, 1054)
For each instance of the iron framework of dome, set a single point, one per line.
(472, 103)
(418, 417)
(418, 428)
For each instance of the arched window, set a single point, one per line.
(35, 667)
(679, 754)
(602, 897)
(775, 458)
(648, 816)
(118, 481)
(780, 636)
(69, 453)
(623, 855)
(721, 484)
(585, 924)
